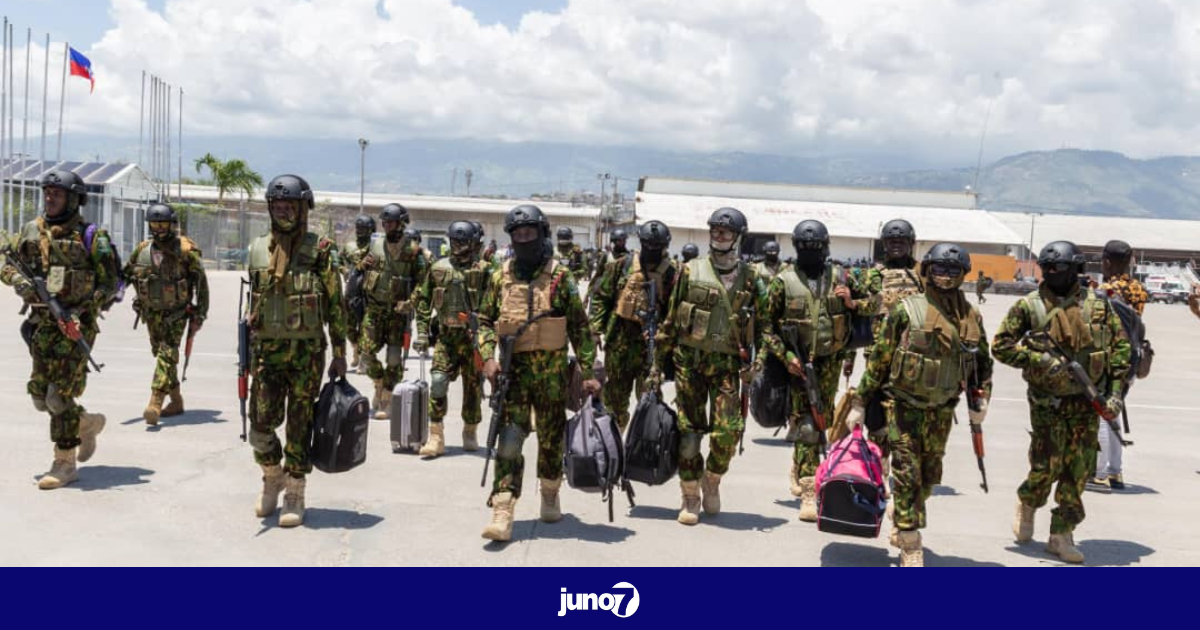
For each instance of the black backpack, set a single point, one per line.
(769, 392)
(652, 442)
(594, 458)
(339, 433)
(1141, 354)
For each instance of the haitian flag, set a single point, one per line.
(82, 67)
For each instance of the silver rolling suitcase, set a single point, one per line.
(410, 413)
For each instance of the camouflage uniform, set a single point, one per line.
(288, 345)
(705, 333)
(81, 279)
(1063, 441)
(1130, 290)
(919, 415)
(767, 272)
(616, 307)
(389, 306)
(572, 259)
(349, 258)
(454, 293)
(165, 281)
(786, 307)
(538, 376)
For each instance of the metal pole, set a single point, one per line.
(179, 148)
(1032, 222)
(154, 130)
(142, 121)
(45, 102)
(167, 160)
(4, 130)
(25, 125)
(362, 175)
(12, 105)
(62, 101)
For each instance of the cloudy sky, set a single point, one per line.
(816, 77)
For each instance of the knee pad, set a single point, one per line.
(689, 446)
(55, 403)
(808, 433)
(395, 356)
(510, 441)
(260, 441)
(39, 403)
(439, 384)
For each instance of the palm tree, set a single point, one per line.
(231, 175)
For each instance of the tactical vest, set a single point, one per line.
(823, 321)
(69, 272)
(1093, 358)
(707, 318)
(928, 368)
(292, 308)
(634, 296)
(163, 287)
(897, 285)
(391, 282)
(522, 302)
(456, 292)
(352, 254)
(766, 272)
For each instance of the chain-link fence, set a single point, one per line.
(224, 234)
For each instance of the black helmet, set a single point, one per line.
(618, 234)
(67, 181)
(462, 231)
(412, 234)
(478, 231)
(811, 234)
(565, 233)
(527, 214)
(653, 234)
(290, 187)
(770, 248)
(364, 222)
(690, 251)
(898, 228)
(1059, 252)
(161, 212)
(731, 218)
(394, 212)
(947, 254)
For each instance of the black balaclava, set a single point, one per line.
(650, 257)
(1061, 283)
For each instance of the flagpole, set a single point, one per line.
(179, 148)
(45, 102)
(167, 162)
(153, 130)
(12, 108)
(62, 100)
(142, 121)
(25, 126)
(4, 130)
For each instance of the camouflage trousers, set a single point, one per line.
(453, 355)
(708, 399)
(807, 451)
(917, 438)
(383, 328)
(538, 388)
(59, 374)
(166, 330)
(624, 368)
(286, 382)
(1062, 450)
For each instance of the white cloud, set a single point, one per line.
(826, 76)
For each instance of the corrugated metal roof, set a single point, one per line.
(805, 192)
(93, 173)
(1089, 231)
(772, 216)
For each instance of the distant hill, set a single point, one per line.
(1068, 180)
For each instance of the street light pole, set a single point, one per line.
(362, 175)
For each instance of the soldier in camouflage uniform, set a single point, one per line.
(535, 296)
(891, 281)
(570, 255)
(295, 293)
(618, 311)
(709, 331)
(689, 253)
(770, 265)
(1063, 441)
(349, 257)
(75, 258)
(812, 290)
(451, 292)
(1120, 286)
(167, 271)
(395, 265)
(920, 365)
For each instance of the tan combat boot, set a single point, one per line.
(436, 444)
(293, 502)
(808, 500)
(911, 554)
(689, 514)
(175, 406)
(62, 471)
(90, 425)
(551, 511)
(154, 407)
(794, 477)
(1063, 546)
(710, 485)
(268, 499)
(470, 442)
(500, 529)
(385, 404)
(1023, 523)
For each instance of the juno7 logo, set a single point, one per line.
(623, 601)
